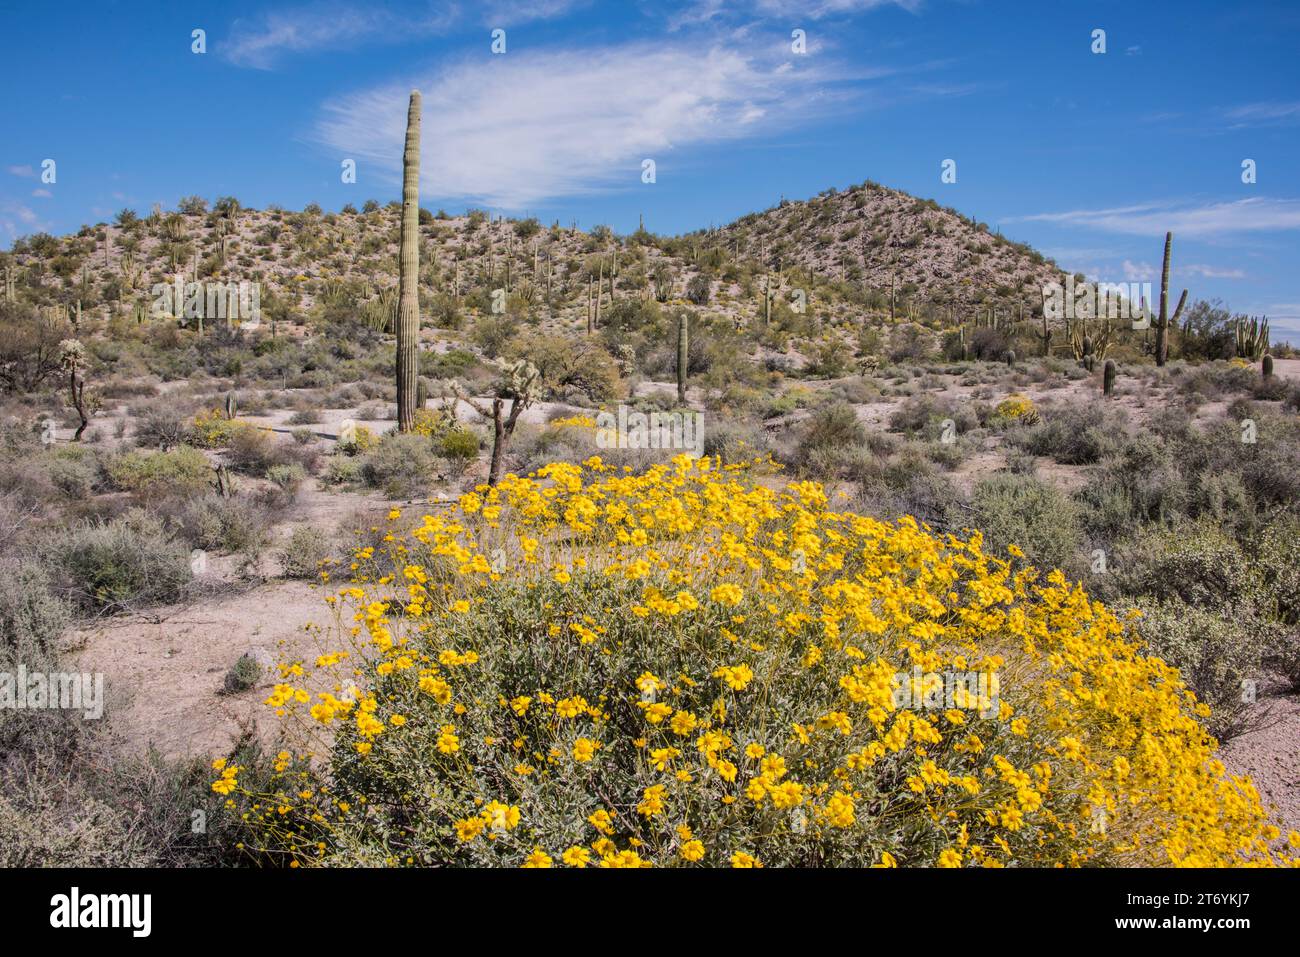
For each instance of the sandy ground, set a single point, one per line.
(1270, 754)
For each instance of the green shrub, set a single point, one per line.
(834, 426)
(1073, 435)
(180, 470)
(243, 675)
(130, 560)
(304, 552)
(31, 616)
(1216, 652)
(459, 446)
(1033, 515)
(401, 465)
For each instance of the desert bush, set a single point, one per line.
(717, 713)
(181, 470)
(243, 675)
(925, 414)
(1215, 653)
(161, 425)
(73, 470)
(1073, 435)
(834, 426)
(459, 446)
(401, 464)
(302, 555)
(1032, 516)
(128, 561)
(232, 525)
(32, 617)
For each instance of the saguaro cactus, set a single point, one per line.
(683, 347)
(1108, 372)
(1165, 320)
(1011, 357)
(232, 407)
(408, 307)
(1045, 337)
(1267, 367)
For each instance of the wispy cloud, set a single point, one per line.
(512, 131)
(26, 170)
(1257, 214)
(263, 41)
(17, 219)
(1264, 114)
(705, 11)
(1147, 271)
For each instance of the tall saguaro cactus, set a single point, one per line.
(408, 306)
(1165, 321)
(683, 347)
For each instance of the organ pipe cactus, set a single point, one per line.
(1250, 337)
(408, 308)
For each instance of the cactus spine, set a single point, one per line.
(408, 308)
(1108, 378)
(683, 347)
(1165, 320)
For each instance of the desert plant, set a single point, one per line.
(1164, 320)
(683, 351)
(408, 320)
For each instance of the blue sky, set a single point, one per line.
(1088, 156)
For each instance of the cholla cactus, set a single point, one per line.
(522, 385)
(72, 360)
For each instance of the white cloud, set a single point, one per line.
(25, 170)
(1211, 272)
(1264, 114)
(504, 13)
(1138, 271)
(1259, 214)
(704, 11)
(512, 131)
(42, 194)
(17, 219)
(261, 42)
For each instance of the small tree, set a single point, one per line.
(522, 386)
(72, 359)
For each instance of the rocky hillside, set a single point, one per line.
(863, 255)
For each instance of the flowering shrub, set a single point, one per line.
(212, 430)
(684, 667)
(1016, 408)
